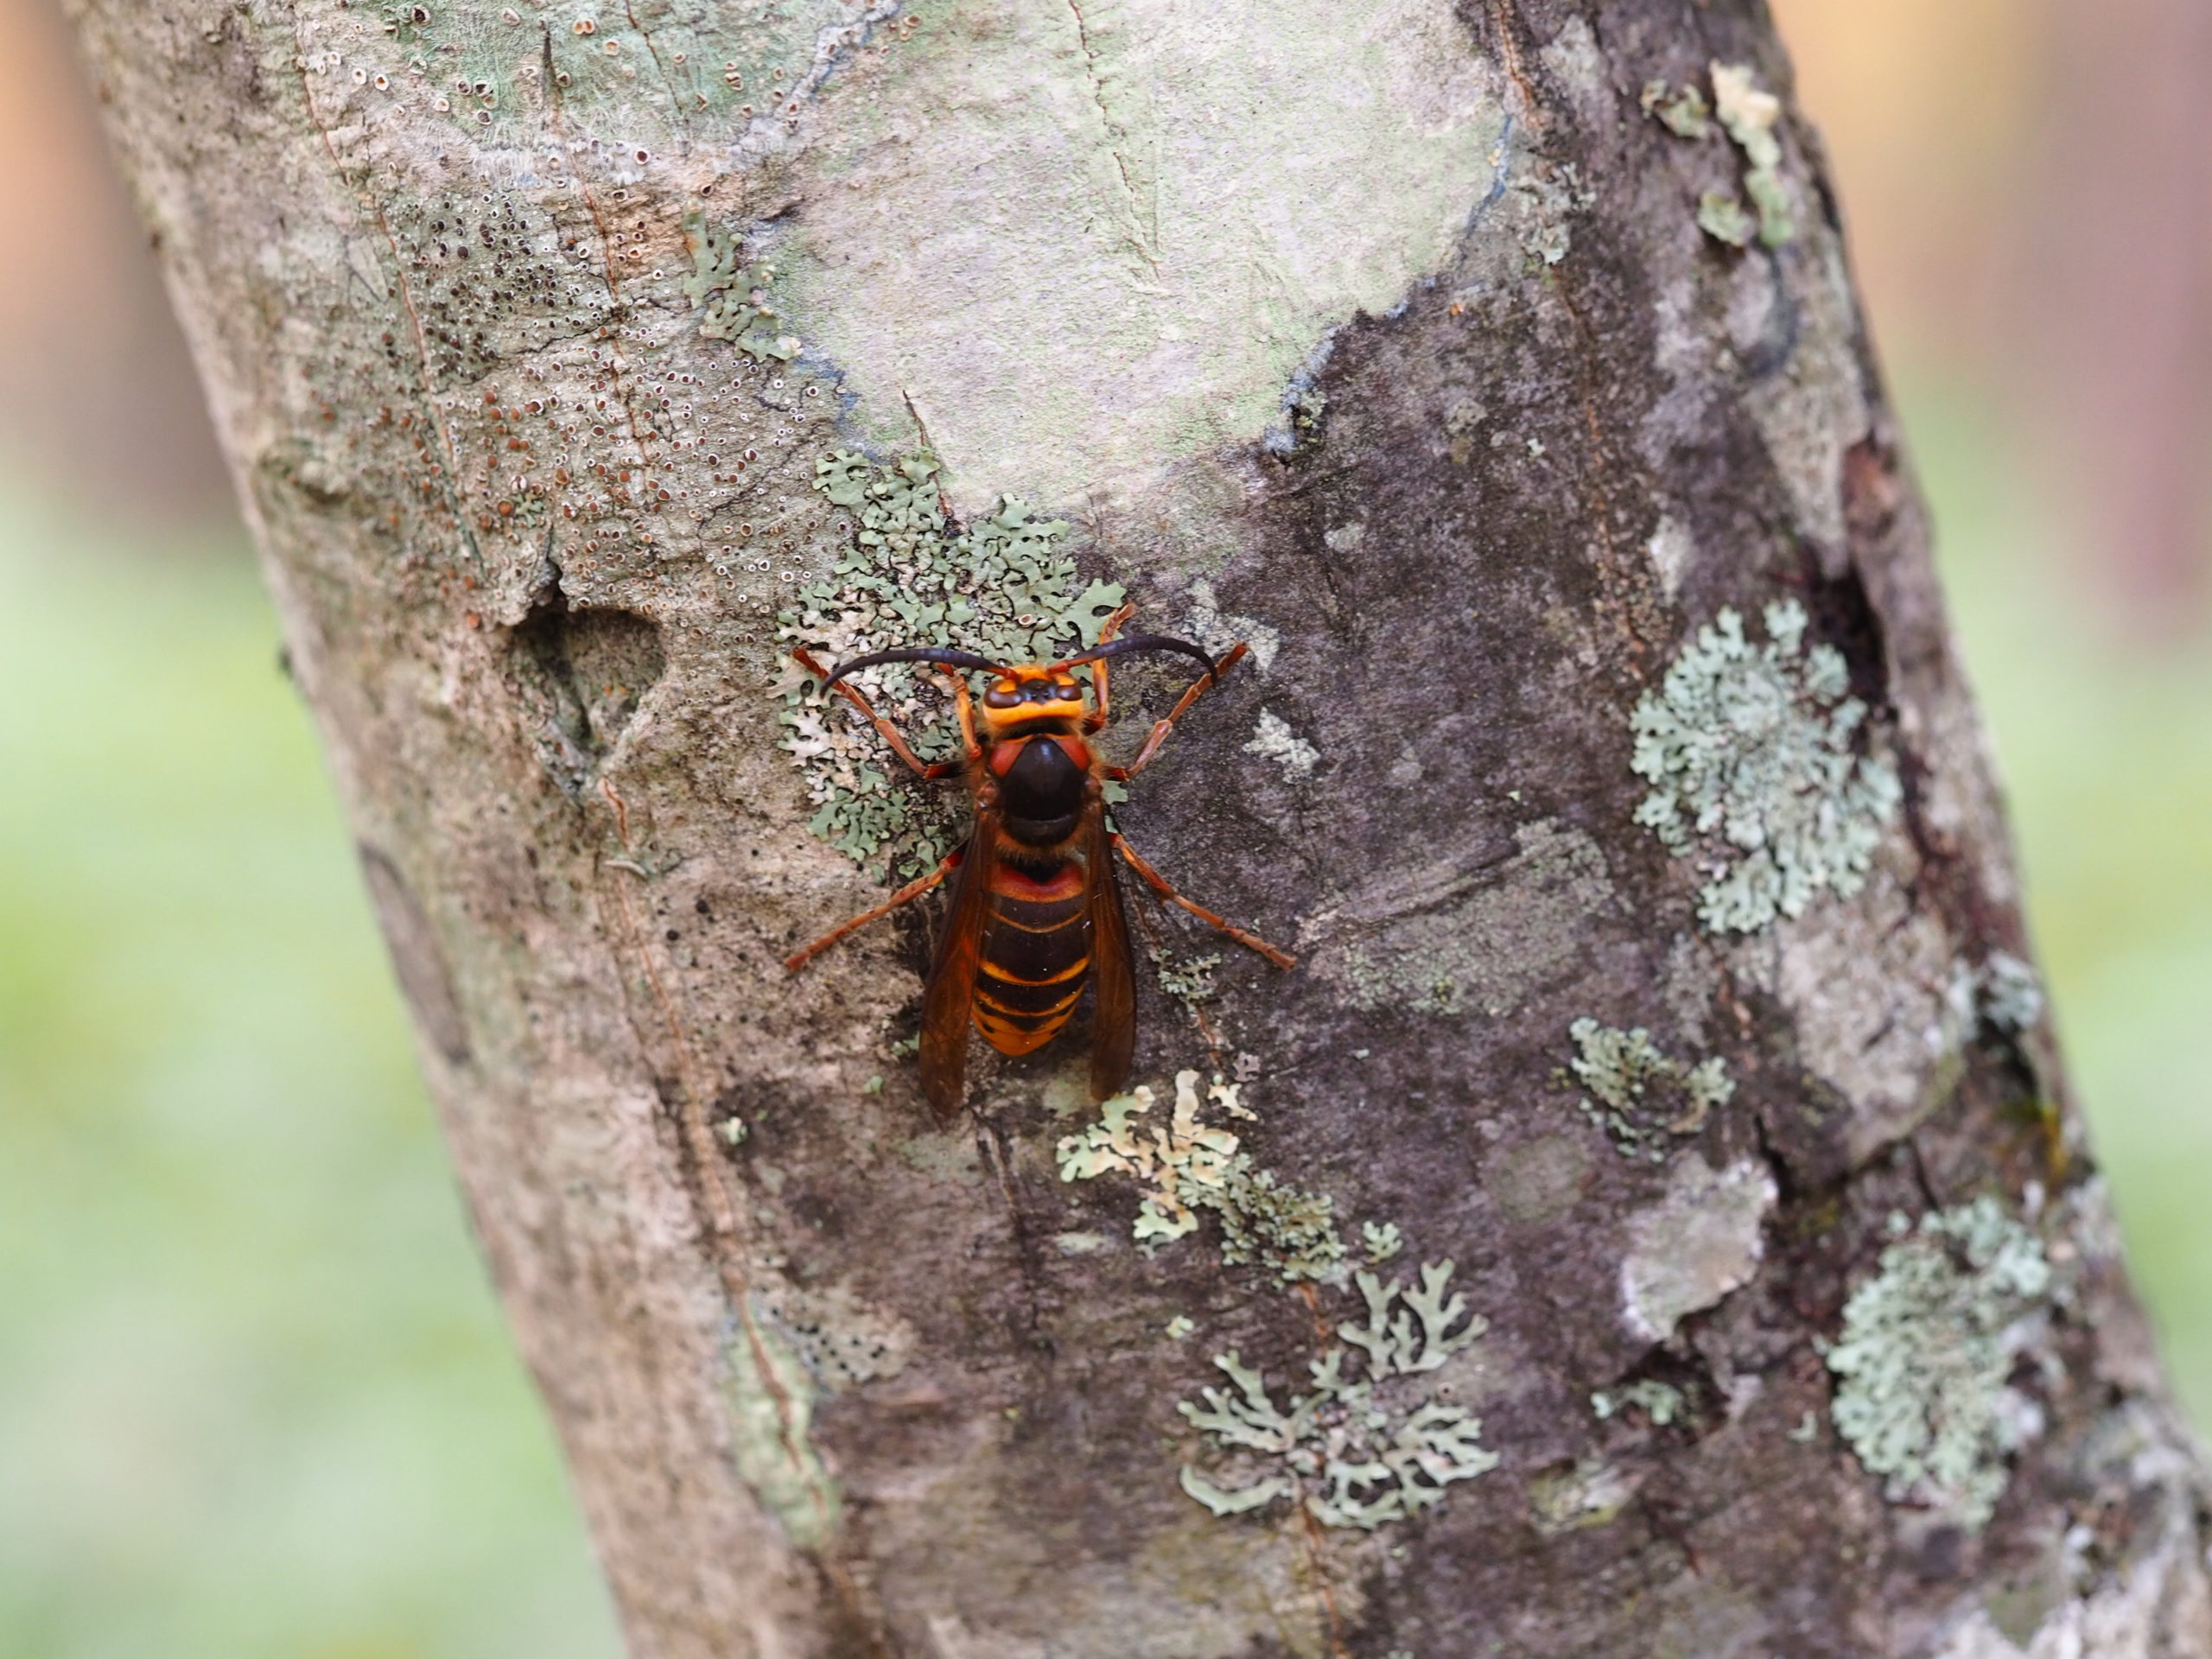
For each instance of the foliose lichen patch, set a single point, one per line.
(1216, 630)
(734, 295)
(1685, 113)
(1662, 1402)
(1749, 116)
(1645, 1101)
(1927, 1346)
(1580, 1496)
(1360, 1448)
(1191, 1166)
(1750, 749)
(1274, 740)
(1004, 587)
(1190, 981)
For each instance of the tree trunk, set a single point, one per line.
(1649, 1220)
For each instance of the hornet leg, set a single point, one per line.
(1234, 655)
(905, 895)
(1157, 883)
(1095, 720)
(884, 728)
(966, 710)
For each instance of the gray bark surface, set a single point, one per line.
(1387, 335)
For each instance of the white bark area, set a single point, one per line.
(1092, 242)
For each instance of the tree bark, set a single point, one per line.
(1649, 1220)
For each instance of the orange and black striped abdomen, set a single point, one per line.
(1036, 955)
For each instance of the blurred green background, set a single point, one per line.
(255, 1399)
(254, 1394)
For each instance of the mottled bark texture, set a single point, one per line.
(1525, 418)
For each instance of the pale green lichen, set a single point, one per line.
(1190, 982)
(1642, 1098)
(1273, 739)
(1186, 1161)
(1749, 750)
(1548, 243)
(1749, 116)
(1928, 1345)
(2008, 994)
(1722, 215)
(1003, 587)
(1662, 1402)
(1686, 114)
(2002, 996)
(733, 295)
(1381, 1240)
(1219, 633)
(1192, 1166)
(1281, 1229)
(1584, 1495)
(770, 1396)
(1355, 1450)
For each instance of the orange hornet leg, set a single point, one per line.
(966, 711)
(884, 728)
(1157, 883)
(1233, 656)
(1095, 720)
(905, 895)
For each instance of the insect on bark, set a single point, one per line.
(1036, 913)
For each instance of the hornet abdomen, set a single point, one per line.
(1036, 955)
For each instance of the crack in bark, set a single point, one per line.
(1119, 136)
(710, 1188)
(1325, 1592)
(1508, 51)
(675, 98)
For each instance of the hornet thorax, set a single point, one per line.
(1034, 751)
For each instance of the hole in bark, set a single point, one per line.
(1844, 616)
(583, 673)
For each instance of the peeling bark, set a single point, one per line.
(1388, 335)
